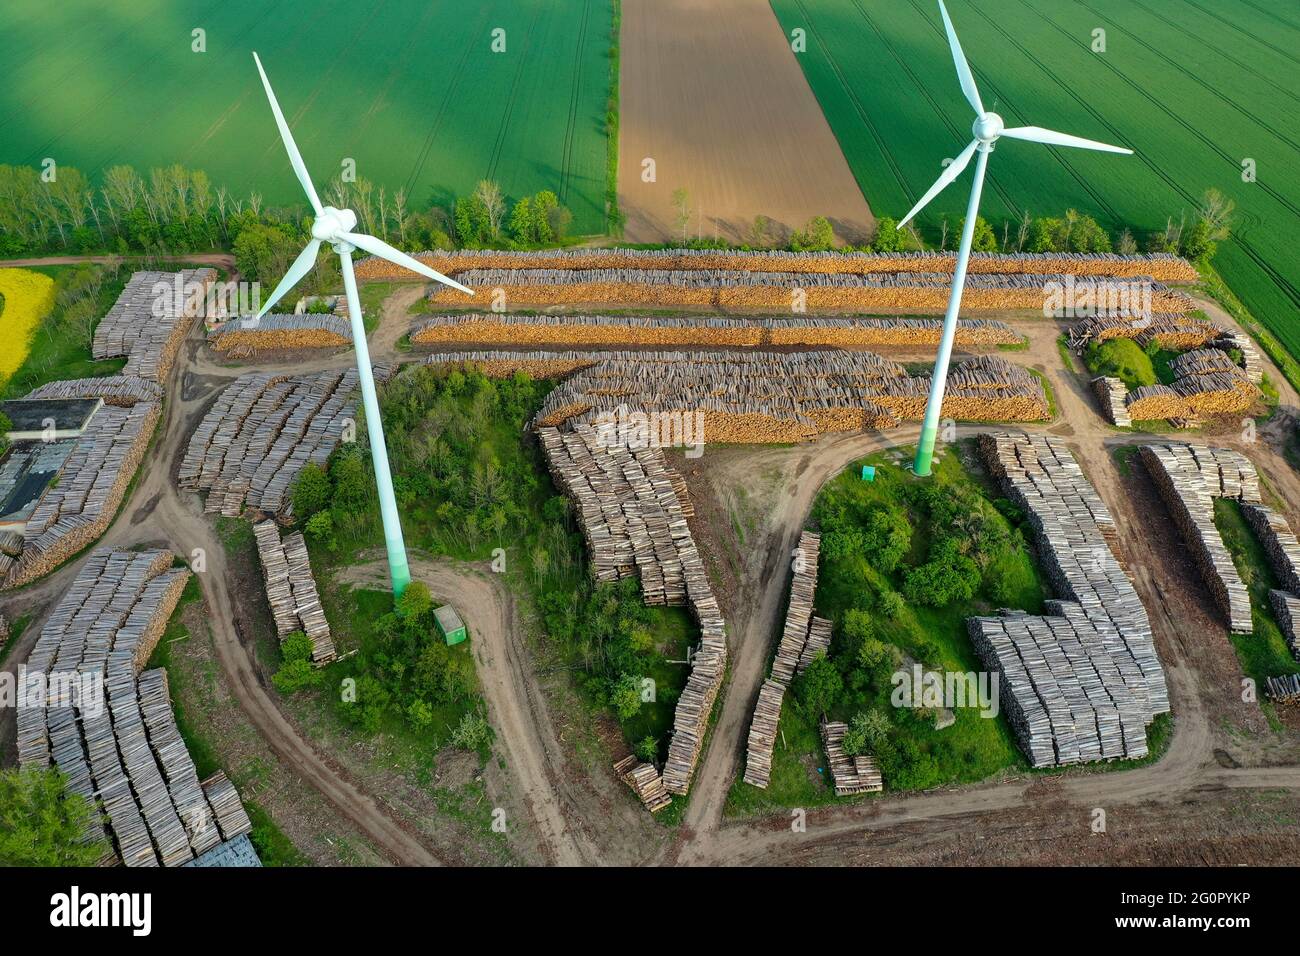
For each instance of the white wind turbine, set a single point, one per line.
(988, 129)
(335, 227)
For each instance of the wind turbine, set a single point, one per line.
(988, 128)
(335, 227)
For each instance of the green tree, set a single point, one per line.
(42, 823)
(296, 671)
(647, 749)
(818, 687)
(625, 696)
(817, 236)
(889, 238)
(1122, 359)
(6, 426)
(521, 221)
(263, 252)
(415, 602)
(311, 491)
(948, 576)
(320, 528)
(472, 732)
(984, 239)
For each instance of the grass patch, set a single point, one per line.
(1067, 357)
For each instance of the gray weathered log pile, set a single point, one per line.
(291, 589)
(120, 390)
(1189, 478)
(629, 505)
(1111, 393)
(1251, 361)
(1283, 551)
(77, 508)
(150, 319)
(645, 782)
(1083, 681)
(849, 775)
(1168, 330)
(125, 755)
(1167, 268)
(764, 396)
(261, 431)
(304, 330)
(621, 331)
(792, 656)
(1284, 689)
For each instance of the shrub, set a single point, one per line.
(472, 732)
(1122, 359)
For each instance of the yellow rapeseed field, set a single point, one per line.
(28, 298)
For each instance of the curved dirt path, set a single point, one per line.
(516, 709)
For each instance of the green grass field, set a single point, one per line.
(412, 92)
(1194, 87)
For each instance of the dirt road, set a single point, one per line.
(516, 710)
(711, 93)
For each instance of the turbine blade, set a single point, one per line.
(1036, 134)
(301, 266)
(295, 157)
(963, 68)
(945, 178)
(383, 250)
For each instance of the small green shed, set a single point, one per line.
(450, 624)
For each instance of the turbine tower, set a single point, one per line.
(988, 128)
(335, 227)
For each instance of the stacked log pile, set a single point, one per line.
(762, 734)
(147, 323)
(708, 331)
(629, 508)
(307, 330)
(127, 757)
(1112, 394)
(849, 775)
(1167, 330)
(1189, 478)
(764, 397)
(228, 810)
(291, 589)
(78, 507)
(645, 782)
(1164, 267)
(1279, 543)
(789, 653)
(1208, 384)
(1149, 403)
(1082, 681)
(1251, 361)
(1283, 690)
(1286, 608)
(123, 391)
(261, 432)
(820, 631)
(776, 290)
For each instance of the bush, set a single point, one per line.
(1122, 359)
(472, 733)
(296, 670)
(42, 823)
(311, 491)
(817, 236)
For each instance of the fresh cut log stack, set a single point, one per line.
(1164, 267)
(307, 330)
(1082, 681)
(1167, 330)
(707, 331)
(121, 390)
(782, 291)
(628, 504)
(1189, 478)
(121, 749)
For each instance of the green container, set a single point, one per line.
(450, 625)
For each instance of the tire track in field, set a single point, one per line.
(447, 97)
(574, 98)
(885, 152)
(1240, 64)
(27, 107)
(398, 69)
(1249, 36)
(108, 145)
(987, 82)
(18, 67)
(1231, 103)
(1273, 14)
(513, 97)
(1282, 282)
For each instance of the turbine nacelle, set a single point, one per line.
(988, 127)
(331, 225)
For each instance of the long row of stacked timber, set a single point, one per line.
(291, 589)
(262, 430)
(1082, 682)
(1189, 478)
(92, 474)
(1283, 551)
(241, 337)
(110, 729)
(500, 329)
(121, 390)
(803, 637)
(630, 508)
(763, 397)
(1178, 333)
(784, 291)
(150, 319)
(1166, 268)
